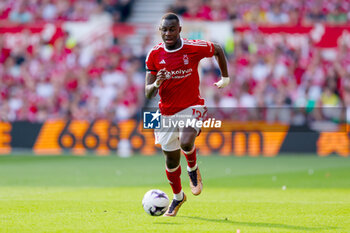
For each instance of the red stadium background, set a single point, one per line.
(72, 77)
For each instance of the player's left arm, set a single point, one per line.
(221, 59)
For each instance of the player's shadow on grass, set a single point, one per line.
(263, 224)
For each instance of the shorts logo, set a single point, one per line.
(186, 61)
(151, 120)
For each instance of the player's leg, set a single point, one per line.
(173, 172)
(187, 140)
(169, 140)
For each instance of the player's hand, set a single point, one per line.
(224, 81)
(162, 75)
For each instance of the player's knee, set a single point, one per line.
(187, 139)
(186, 146)
(172, 163)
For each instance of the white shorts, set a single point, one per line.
(169, 138)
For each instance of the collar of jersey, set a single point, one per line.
(175, 50)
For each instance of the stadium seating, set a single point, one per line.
(60, 79)
(272, 12)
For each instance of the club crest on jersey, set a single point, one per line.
(186, 61)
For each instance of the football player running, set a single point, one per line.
(172, 69)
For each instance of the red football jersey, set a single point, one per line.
(181, 90)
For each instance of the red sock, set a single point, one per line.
(175, 180)
(191, 157)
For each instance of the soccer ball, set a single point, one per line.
(155, 202)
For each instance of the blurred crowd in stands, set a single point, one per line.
(42, 82)
(270, 12)
(61, 81)
(277, 82)
(281, 83)
(26, 11)
(55, 80)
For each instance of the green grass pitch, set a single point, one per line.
(103, 194)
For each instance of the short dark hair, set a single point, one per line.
(170, 16)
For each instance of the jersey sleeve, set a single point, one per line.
(150, 66)
(205, 48)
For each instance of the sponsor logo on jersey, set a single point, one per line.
(177, 72)
(162, 62)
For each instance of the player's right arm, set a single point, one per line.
(153, 82)
(154, 76)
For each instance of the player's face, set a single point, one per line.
(170, 32)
